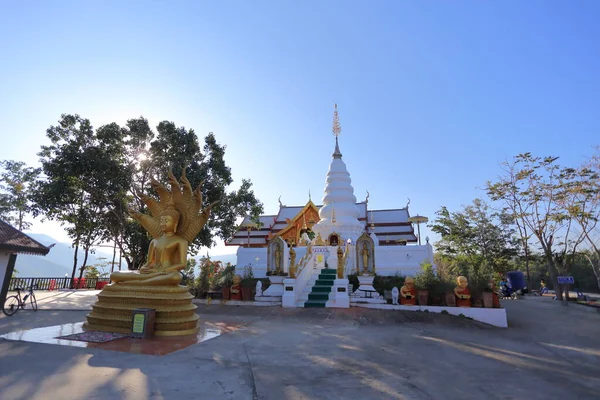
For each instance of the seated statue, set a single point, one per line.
(408, 292)
(236, 288)
(175, 222)
(175, 217)
(462, 292)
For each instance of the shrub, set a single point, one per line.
(383, 283)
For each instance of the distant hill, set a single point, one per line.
(59, 260)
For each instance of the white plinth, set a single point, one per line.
(288, 300)
(276, 287)
(366, 293)
(341, 299)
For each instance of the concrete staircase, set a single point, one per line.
(320, 290)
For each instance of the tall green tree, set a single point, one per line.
(16, 182)
(538, 193)
(476, 241)
(586, 209)
(84, 171)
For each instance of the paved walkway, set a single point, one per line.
(550, 351)
(66, 299)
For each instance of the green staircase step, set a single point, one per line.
(314, 304)
(327, 276)
(324, 282)
(318, 296)
(321, 288)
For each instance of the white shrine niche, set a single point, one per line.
(277, 252)
(365, 249)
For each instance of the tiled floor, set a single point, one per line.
(157, 346)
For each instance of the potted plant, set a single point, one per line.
(428, 285)
(248, 285)
(226, 280)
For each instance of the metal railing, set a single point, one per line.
(54, 283)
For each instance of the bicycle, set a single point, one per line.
(13, 303)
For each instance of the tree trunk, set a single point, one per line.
(112, 265)
(87, 251)
(74, 262)
(595, 263)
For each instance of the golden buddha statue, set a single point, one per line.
(174, 221)
(408, 292)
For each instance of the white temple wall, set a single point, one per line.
(247, 256)
(405, 260)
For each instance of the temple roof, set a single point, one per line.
(391, 226)
(15, 241)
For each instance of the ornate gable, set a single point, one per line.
(307, 217)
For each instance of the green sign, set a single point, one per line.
(138, 323)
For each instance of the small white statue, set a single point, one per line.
(395, 294)
(259, 289)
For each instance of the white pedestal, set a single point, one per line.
(341, 297)
(288, 299)
(276, 287)
(366, 293)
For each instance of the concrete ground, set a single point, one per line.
(550, 351)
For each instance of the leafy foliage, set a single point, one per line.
(475, 240)
(16, 182)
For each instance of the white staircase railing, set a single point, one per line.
(304, 272)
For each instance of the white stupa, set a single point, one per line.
(339, 213)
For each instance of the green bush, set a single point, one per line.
(383, 283)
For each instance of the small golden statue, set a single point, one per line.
(277, 259)
(365, 258)
(462, 292)
(236, 288)
(340, 263)
(408, 293)
(175, 220)
(319, 240)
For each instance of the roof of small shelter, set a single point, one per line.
(13, 240)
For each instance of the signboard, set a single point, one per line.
(143, 323)
(138, 323)
(565, 280)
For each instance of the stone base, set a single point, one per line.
(341, 297)
(366, 293)
(175, 312)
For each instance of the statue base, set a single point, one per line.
(175, 312)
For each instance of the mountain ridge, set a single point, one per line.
(59, 261)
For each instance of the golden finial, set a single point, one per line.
(336, 128)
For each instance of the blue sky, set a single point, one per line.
(432, 95)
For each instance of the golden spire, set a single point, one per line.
(336, 129)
